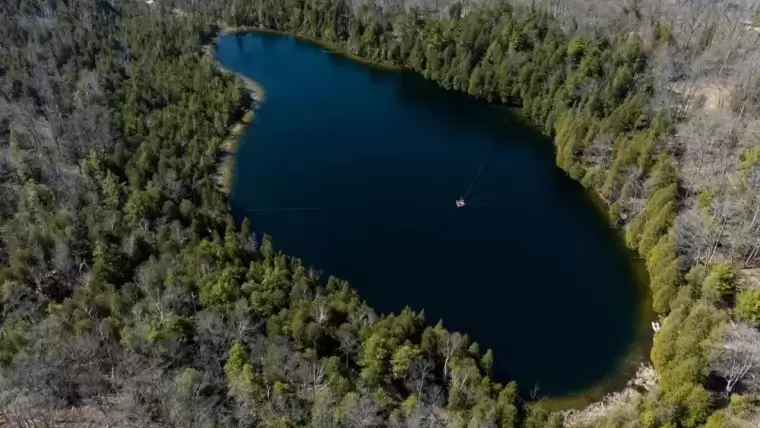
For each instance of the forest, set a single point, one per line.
(131, 297)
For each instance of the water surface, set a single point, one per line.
(529, 268)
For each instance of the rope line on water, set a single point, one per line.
(481, 202)
(473, 181)
(288, 209)
(478, 201)
(355, 207)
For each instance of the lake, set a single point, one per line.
(356, 169)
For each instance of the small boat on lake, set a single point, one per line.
(461, 203)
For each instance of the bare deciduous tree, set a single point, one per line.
(363, 413)
(737, 358)
(451, 343)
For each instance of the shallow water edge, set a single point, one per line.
(229, 145)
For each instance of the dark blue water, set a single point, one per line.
(529, 268)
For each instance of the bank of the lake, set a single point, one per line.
(633, 373)
(243, 30)
(229, 145)
(259, 161)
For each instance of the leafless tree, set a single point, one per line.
(743, 231)
(363, 413)
(692, 20)
(600, 151)
(349, 343)
(212, 338)
(706, 137)
(419, 377)
(363, 316)
(737, 358)
(54, 374)
(322, 412)
(691, 235)
(451, 343)
(188, 406)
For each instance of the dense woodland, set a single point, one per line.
(130, 297)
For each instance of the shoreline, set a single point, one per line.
(228, 147)
(621, 382)
(626, 380)
(231, 31)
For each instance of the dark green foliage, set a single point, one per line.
(679, 355)
(661, 33)
(748, 306)
(720, 282)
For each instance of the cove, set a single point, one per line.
(355, 169)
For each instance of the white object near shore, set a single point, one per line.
(655, 326)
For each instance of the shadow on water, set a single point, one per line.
(530, 269)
